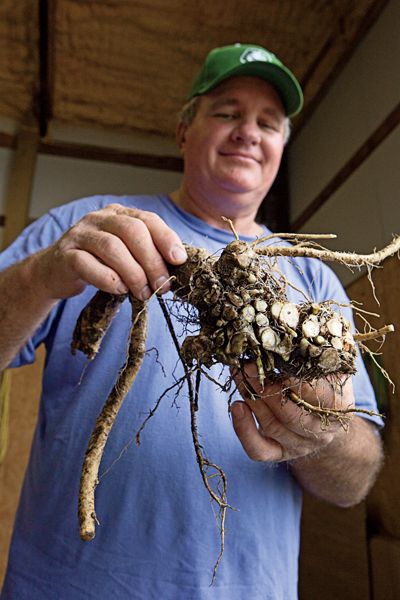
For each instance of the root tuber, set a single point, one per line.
(243, 314)
(105, 421)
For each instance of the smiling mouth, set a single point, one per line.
(237, 155)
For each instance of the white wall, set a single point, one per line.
(58, 180)
(365, 210)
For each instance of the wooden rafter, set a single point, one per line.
(44, 97)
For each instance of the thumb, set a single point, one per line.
(256, 446)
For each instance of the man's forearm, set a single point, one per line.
(344, 471)
(25, 303)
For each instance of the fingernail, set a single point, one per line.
(238, 410)
(160, 283)
(146, 292)
(121, 288)
(178, 253)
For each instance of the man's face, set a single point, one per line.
(236, 139)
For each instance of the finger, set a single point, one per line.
(111, 252)
(326, 392)
(256, 446)
(268, 403)
(93, 272)
(284, 424)
(294, 432)
(150, 241)
(165, 239)
(249, 386)
(137, 238)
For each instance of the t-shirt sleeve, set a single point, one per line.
(34, 238)
(39, 235)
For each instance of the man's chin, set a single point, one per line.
(243, 186)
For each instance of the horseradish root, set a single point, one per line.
(242, 314)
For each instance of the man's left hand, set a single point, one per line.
(272, 428)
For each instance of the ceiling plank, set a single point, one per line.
(128, 65)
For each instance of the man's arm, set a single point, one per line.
(116, 249)
(344, 471)
(25, 304)
(331, 463)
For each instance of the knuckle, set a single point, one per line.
(72, 234)
(151, 217)
(108, 246)
(98, 218)
(156, 268)
(257, 454)
(74, 260)
(137, 228)
(113, 207)
(135, 278)
(160, 228)
(90, 221)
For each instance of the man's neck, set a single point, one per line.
(243, 220)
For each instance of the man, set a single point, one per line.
(157, 536)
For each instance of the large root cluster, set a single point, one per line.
(243, 313)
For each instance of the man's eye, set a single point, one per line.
(226, 116)
(268, 125)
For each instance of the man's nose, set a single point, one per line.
(247, 132)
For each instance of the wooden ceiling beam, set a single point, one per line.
(7, 140)
(20, 182)
(44, 97)
(100, 153)
(112, 155)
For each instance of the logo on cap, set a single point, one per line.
(256, 54)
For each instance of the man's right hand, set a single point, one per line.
(116, 249)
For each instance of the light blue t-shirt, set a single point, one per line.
(158, 536)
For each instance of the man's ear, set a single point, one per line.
(181, 130)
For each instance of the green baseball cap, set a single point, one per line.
(246, 59)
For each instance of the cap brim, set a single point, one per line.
(279, 77)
